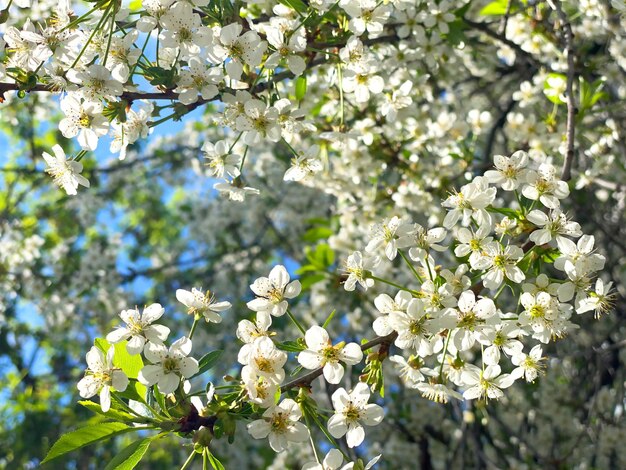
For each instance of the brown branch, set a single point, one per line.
(505, 18)
(127, 95)
(566, 173)
(483, 27)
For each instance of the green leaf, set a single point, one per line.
(322, 256)
(496, 8)
(130, 365)
(510, 213)
(307, 268)
(550, 91)
(456, 33)
(307, 281)
(117, 415)
(160, 398)
(130, 456)
(135, 391)
(208, 361)
(329, 318)
(316, 233)
(215, 463)
(290, 346)
(297, 5)
(102, 344)
(84, 436)
(300, 87)
(296, 371)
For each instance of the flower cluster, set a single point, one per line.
(496, 294)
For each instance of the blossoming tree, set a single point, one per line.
(282, 229)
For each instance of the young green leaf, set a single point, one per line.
(130, 456)
(84, 436)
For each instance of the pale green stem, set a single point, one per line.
(410, 265)
(189, 460)
(295, 321)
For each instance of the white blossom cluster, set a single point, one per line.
(442, 320)
(439, 320)
(390, 117)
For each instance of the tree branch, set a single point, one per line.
(566, 173)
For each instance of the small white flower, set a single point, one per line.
(457, 281)
(485, 384)
(220, 161)
(240, 48)
(412, 371)
(602, 300)
(425, 240)
(352, 412)
(205, 304)
(168, 365)
(260, 390)
(235, 191)
(258, 121)
(100, 376)
(65, 173)
(473, 243)
(386, 305)
(414, 328)
(546, 317)
(248, 331)
(332, 461)
(553, 226)
(358, 269)
(273, 291)
(280, 424)
(501, 262)
(139, 328)
(510, 171)
(363, 82)
(320, 352)
(96, 83)
(390, 235)
(304, 166)
(264, 359)
(501, 336)
(83, 119)
(474, 315)
(544, 186)
(286, 47)
(437, 392)
(183, 29)
(578, 258)
(529, 366)
(198, 80)
(469, 203)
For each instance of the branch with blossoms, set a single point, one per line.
(464, 332)
(113, 72)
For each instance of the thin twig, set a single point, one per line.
(505, 17)
(566, 173)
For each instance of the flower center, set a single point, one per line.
(537, 311)
(331, 354)
(351, 413)
(264, 364)
(279, 423)
(170, 365)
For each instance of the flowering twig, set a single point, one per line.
(306, 379)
